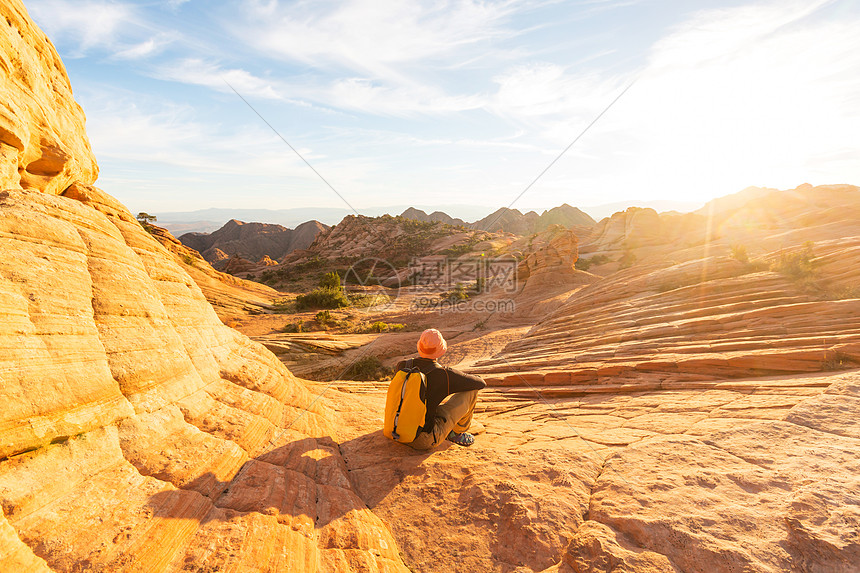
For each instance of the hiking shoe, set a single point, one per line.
(465, 439)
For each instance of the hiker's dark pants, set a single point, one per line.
(454, 414)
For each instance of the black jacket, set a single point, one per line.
(441, 382)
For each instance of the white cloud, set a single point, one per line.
(86, 23)
(199, 72)
(372, 36)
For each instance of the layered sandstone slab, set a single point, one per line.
(138, 432)
(761, 476)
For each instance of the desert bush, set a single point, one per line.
(330, 280)
(627, 259)
(838, 361)
(796, 265)
(368, 300)
(188, 259)
(739, 253)
(322, 297)
(585, 264)
(283, 306)
(293, 327)
(323, 317)
(380, 326)
(459, 293)
(367, 368)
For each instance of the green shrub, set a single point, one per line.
(323, 317)
(367, 368)
(368, 300)
(188, 259)
(322, 298)
(459, 293)
(283, 306)
(293, 327)
(330, 280)
(796, 265)
(380, 326)
(585, 264)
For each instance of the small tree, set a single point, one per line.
(146, 218)
(330, 280)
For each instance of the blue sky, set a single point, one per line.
(460, 101)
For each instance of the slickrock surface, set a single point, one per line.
(676, 316)
(137, 432)
(761, 475)
(140, 433)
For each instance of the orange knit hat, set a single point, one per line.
(431, 344)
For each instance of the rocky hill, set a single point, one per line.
(507, 220)
(395, 240)
(419, 215)
(252, 241)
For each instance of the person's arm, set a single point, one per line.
(462, 382)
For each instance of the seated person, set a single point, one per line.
(451, 419)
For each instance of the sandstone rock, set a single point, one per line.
(552, 261)
(43, 144)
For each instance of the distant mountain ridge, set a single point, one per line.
(252, 241)
(512, 220)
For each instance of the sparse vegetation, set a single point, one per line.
(838, 361)
(800, 267)
(459, 293)
(322, 297)
(330, 280)
(323, 317)
(368, 300)
(367, 368)
(283, 306)
(146, 219)
(380, 326)
(797, 265)
(188, 259)
(843, 293)
(627, 259)
(294, 327)
(585, 264)
(739, 253)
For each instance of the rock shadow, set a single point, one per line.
(307, 483)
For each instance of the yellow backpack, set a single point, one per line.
(405, 404)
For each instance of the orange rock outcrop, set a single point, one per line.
(137, 432)
(43, 144)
